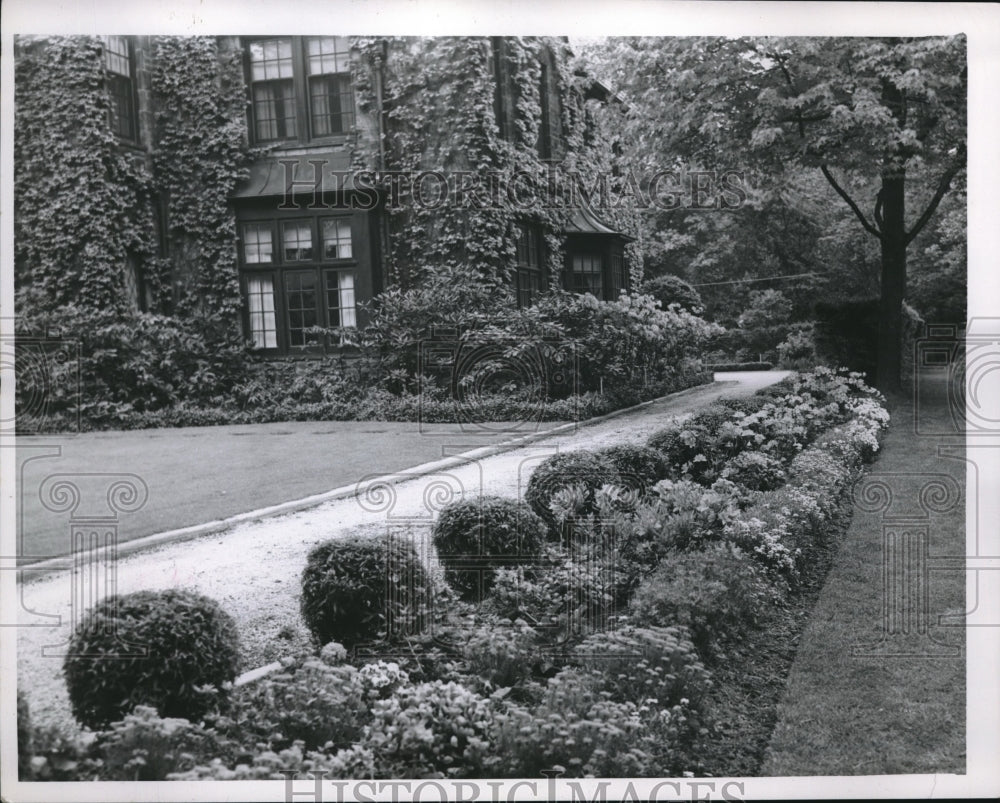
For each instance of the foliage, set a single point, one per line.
(25, 746)
(754, 470)
(563, 470)
(575, 727)
(201, 155)
(668, 289)
(640, 467)
(175, 650)
(798, 350)
(147, 747)
(473, 537)
(74, 247)
(433, 730)
(716, 593)
(363, 588)
(312, 702)
(653, 664)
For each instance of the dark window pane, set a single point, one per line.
(300, 304)
(332, 104)
(274, 110)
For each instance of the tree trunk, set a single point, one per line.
(890, 329)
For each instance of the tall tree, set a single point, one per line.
(884, 118)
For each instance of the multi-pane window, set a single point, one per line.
(300, 303)
(257, 246)
(331, 102)
(263, 323)
(296, 240)
(529, 264)
(587, 274)
(300, 87)
(337, 238)
(121, 86)
(340, 298)
(302, 285)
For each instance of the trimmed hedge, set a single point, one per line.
(740, 366)
(474, 537)
(173, 650)
(363, 588)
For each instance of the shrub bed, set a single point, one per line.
(740, 366)
(591, 658)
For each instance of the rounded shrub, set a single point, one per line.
(364, 588)
(640, 466)
(582, 469)
(474, 537)
(173, 650)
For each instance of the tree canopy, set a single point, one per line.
(836, 137)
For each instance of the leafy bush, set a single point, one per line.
(561, 471)
(668, 289)
(716, 593)
(313, 702)
(754, 470)
(847, 334)
(742, 404)
(798, 350)
(641, 663)
(575, 727)
(639, 466)
(475, 536)
(502, 655)
(190, 645)
(565, 592)
(364, 588)
(433, 730)
(147, 747)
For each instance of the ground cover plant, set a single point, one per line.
(609, 653)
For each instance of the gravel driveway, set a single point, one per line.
(253, 569)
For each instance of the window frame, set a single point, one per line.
(525, 269)
(302, 98)
(279, 268)
(132, 90)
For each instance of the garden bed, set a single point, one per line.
(657, 567)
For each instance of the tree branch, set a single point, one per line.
(854, 207)
(939, 193)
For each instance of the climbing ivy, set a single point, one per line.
(82, 201)
(439, 100)
(201, 155)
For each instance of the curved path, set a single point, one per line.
(253, 569)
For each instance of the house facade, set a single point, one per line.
(272, 186)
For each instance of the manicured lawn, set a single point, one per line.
(201, 474)
(902, 712)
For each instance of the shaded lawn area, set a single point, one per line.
(898, 707)
(201, 474)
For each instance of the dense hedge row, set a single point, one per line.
(568, 357)
(592, 644)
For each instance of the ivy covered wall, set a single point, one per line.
(116, 228)
(121, 228)
(442, 114)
